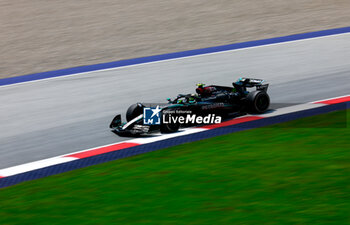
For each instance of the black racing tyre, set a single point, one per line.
(133, 111)
(258, 101)
(169, 127)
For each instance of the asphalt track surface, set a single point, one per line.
(46, 118)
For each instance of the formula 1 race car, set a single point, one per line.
(210, 104)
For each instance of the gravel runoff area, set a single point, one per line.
(41, 35)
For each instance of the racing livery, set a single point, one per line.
(210, 102)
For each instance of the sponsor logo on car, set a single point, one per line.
(214, 106)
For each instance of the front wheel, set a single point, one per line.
(134, 111)
(258, 101)
(169, 127)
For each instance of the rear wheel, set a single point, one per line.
(133, 111)
(258, 101)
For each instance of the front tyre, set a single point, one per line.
(133, 111)
(258, 101)
(166, 128)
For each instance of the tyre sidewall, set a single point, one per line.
(133, 111)
(254, 97)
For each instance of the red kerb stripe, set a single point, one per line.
(233, 122)
(102, 150)
(336, 100)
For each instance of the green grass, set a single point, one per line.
(291, 173)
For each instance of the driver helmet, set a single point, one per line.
(200, 88)
(200, 85)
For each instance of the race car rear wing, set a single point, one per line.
(243, 83)
(262, 87)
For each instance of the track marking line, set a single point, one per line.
(336, 100)
(34, 165)
(99, 151)
(160, 137)
(291, 109)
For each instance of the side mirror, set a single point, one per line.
(168, 99)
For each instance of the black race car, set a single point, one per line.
(210, 103)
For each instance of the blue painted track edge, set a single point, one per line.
(128, 62)
(106, 157)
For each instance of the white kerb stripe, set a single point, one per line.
(34, 165)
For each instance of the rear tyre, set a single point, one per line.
(134, 111)
(258, 101)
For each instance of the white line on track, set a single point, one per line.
(329, 99)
